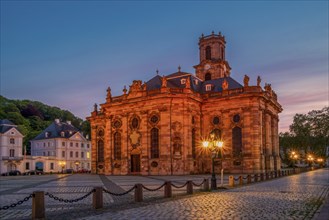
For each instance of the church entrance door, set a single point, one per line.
(135, 163)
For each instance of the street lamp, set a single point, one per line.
(294, 158)
(214, 145)
(62, 164)
(77, 165)
(310, 159)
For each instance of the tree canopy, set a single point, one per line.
(32, 117)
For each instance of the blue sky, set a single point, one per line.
(66, 53)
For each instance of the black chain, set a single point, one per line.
(69, 200)
(194, 184)
(179, 186)
(119, 194)
(244, 178)
(148, 189)
(17, 203)
(236, 179)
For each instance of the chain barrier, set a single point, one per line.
(68, 200)
(17, 203)
(148, 189)
(244, 178)
(197, 185)
(236, 179)
(179, 186)
(119, 194)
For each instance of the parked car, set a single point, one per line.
(34, 172)
(69, 171)
(12, 173)
(83, 171)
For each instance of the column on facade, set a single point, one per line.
(125, 160)
(94, 149)
(256, 139)
(144, 144)
(107, 146)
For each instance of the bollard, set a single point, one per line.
(266, 176)
(167, 190)
(276, 174)
(240, 180)
(249, 179)
(206, 185)
(279, 173)
(38, 205)
(231, 181)
(189, 187)
(256, 177)
(271, 174)
(262, 176)
(98, 197)
(138, 193)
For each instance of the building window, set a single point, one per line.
(193, 120)
(87, 145)
(237, 141)
(100, 151)
(62, 134)
(207, 76)
(27, 166)
(208, 87)
(71, 153)
(51, 166)
(208, 53)
(135, 123)
(63, 144)
(117, 146)
(216, 120)
(77, 154)
(11, 153)
(44, 144)
(82, 145)
(196, 82)
(77, 144)
(154, 119)
(63, 153)
(117, 124)
(193, 144)
(88, 155)
(101, 133)
(12, 141)
(82, 154)
(46, 134)
(183, 81)
(154, 143)
(44, 153)
(236, 118)
(48, 153)
(71, 144)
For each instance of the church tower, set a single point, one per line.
(212, 58)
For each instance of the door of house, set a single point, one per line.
(135, 163)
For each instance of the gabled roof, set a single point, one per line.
(56, 129)
(197, 85)
(6, 125)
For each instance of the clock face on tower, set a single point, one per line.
(207, 67)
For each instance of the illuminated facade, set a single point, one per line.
(156, 127)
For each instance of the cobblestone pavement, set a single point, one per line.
(292, 197)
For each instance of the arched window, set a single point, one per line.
(193, 144)
(154, 143)
(217, 134)
(237, 141)
(208, 53)
(117, 146)
(207, 76)
(100, 151)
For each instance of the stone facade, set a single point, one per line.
(156, 127)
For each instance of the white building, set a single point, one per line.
(64, 147)
(11, 142)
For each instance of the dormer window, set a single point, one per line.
(62, 134)
(182, 81)
(47, 134)
(208, 87)
(196, 82)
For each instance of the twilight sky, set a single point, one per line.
(66, 53)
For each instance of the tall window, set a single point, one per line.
(193, 144)
(208, 53)
(12, 140)
(82, 154)
(77, 154)
(11, 153)
(51, 166)
(71, 153)
(27, 166)
(237, 141)
(63, 153)
(100, 151)
(154, 143)
(117, 146)
(207, 76)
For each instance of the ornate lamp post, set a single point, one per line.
(62, 164)
(294, 158)
(214, 145)
(310, 160)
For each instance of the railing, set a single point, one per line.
(11, 158)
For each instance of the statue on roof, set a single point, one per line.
(259, 80)
(108, 95)
(164, 82)
(246, 81)
(225, 84)
(95, 107)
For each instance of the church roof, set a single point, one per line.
(55, 130)
(197, 85)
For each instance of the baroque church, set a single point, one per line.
(157, 127)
